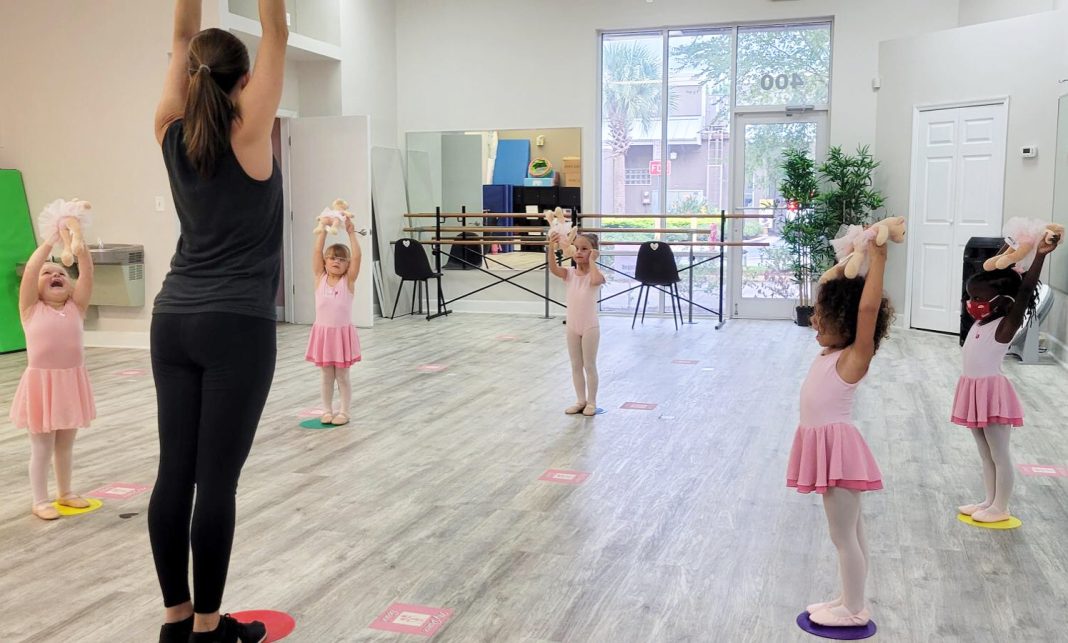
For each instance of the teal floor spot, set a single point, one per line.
(314, 423)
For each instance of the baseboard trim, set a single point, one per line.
(116, 339)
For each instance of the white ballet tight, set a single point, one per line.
(583, 352)
(332, 374)
(846, 525)
(998, 476)
(44, 447)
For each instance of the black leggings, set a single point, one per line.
(213, 372)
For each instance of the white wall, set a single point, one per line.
(975, 62)
(369, 66)
(973, 12)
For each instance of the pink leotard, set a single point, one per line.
(581, 302)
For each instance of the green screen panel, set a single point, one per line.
(17, 243)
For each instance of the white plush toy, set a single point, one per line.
(70, 219)
(561, 225)
(333, 218)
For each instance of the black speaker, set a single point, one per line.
(977, 250)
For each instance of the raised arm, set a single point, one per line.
(28, 294)
(176, 82)
(258, 103)
(855, 360)
(596, 276)
(550, 257)
(83, 288)
(318, 263)
(355, 251)
(1011, 323)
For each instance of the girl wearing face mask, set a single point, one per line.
(985, 401)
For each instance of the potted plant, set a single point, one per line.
(849, 196)
(804, 229)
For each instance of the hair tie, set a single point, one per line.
(203, 67)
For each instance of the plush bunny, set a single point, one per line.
(333, 218)
(1022, 236)
(70, 219)
(851, 248)
(561, 224)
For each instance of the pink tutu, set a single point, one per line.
(981, 401)
(53, 399)
(333, 346)
(832, 455)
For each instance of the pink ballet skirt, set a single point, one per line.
(333, 346)
(833, 455)
(828, 451)
(985, 396)
(981, 401)
(333, 340)
(54, 393)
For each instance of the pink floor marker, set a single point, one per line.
(131, 372)
(564, 476)
(279, 624)
(507, 338)
(118, 491)
(412, 619)
(1042, 470)
(684, 361)
(638, 406)
(431, 368)
(310, 412)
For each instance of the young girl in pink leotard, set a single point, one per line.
(583, 282)
(54, 398)
(829, 455)
(985, 400)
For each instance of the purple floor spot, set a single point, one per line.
(837, 633)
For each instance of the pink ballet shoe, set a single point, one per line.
(73, 501)
(590, 410)
(575, 408)
(968, 510)
(828, 618)
(990, 515)
(45, 511)
(815, 607)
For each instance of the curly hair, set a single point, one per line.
(1005, 282)
(838, 303)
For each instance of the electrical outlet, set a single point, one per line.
(160, 204)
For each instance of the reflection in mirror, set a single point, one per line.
(1058, 261)
(500, 171)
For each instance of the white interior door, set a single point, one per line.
(958, 182)
(329, 158)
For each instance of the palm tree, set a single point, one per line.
(632, 85)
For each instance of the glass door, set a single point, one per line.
(762, 284)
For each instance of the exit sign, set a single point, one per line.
(655, 169)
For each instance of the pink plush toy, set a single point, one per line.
(1022, 236)
(851, 248)
(561, 225)
(70, 219)
(333, 218)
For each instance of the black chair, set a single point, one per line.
(463, 256)
(656, 266)
(411, 264)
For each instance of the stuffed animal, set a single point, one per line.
(1022, 236)
(333, 218)
(560, 224)
(851, 248)
(70, 219)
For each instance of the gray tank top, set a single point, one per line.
(229, 250)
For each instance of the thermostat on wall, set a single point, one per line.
(1029, 151)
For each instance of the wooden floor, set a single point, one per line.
(683, 532)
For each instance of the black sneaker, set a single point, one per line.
(232, 631)
(176, 632)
